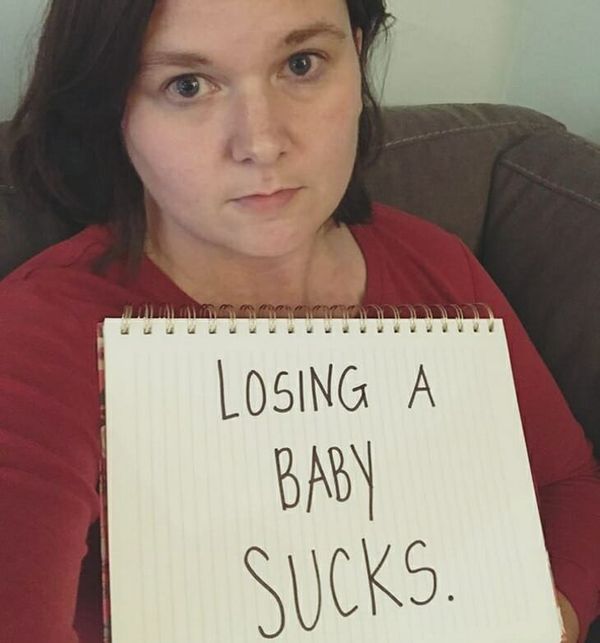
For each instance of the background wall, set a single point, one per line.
(557, 62)
(19, 29)
(451, 50)
(543, 54)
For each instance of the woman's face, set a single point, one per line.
(259, 114)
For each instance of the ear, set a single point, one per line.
(358, 40)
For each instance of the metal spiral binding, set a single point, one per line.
(460, 314)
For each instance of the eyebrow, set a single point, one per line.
(294, 38)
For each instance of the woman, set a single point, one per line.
(160, 123)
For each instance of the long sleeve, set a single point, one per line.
(565, 472)
(49, 453)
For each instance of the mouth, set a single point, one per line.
(272, 201)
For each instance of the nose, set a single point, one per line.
(259, 133)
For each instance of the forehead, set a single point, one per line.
(226, 24)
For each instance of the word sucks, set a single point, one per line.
(343, 609)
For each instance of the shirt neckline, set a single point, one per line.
(373, 257)
(156, 283)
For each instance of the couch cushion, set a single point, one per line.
(23, 233)
(541, 245)
(438, 160)
(3, 173)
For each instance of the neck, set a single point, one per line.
(328, 270)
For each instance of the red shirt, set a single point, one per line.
(49, 418)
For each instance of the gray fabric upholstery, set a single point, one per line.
(439, 160)
(540, 244)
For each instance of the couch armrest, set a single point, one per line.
(541, 244)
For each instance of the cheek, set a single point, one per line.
(337, 132)
(338, 117)
(166, 159)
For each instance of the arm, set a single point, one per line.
(565, 473)
(48, 466)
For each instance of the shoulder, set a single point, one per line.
(54, 300)
(77, 252)
(395, 228)
(49, 310)
(63, 278)
(415, 243)
(421, 260)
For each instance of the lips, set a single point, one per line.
(275, 200)
(246, 196)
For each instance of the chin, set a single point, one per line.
(271, 244)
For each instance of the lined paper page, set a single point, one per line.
(391, 500)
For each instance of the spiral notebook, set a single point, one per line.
(321, 476)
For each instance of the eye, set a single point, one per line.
(302, 63)
(189, 86)
(186, 86)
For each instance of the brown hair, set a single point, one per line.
(66, 154)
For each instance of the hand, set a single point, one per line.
(570, 620)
